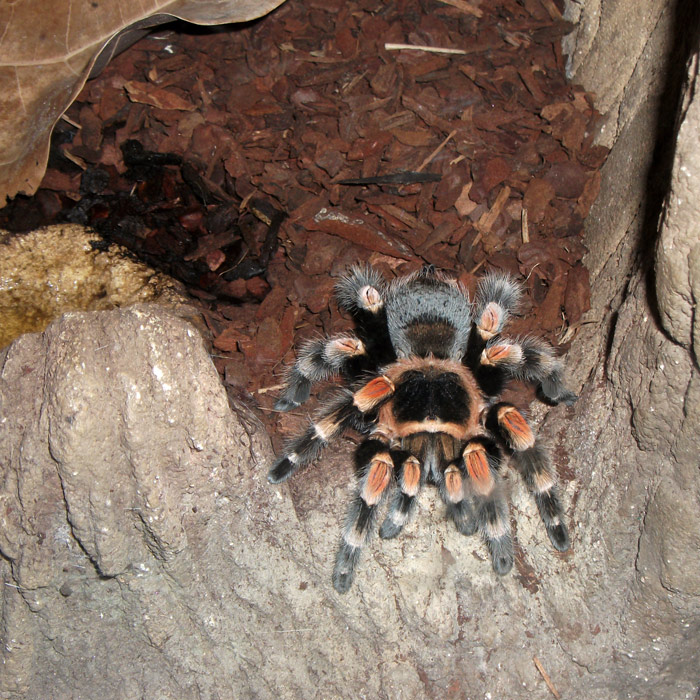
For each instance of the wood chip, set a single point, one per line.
(487, 221)
(148, 94)
(464, 6)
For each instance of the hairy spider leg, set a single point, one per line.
(361, 293)
(497, 298)
(346, 410)
(540, 366)
(532, 461)
(482, 463)
(535, 466)
(319, 359)
(409, 480)
(497, 360)
(450, 482)
(375, 469)
(506, 422)
(492, 361)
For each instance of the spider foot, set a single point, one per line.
(345, 563)
(463, 517)
(281, 470)
(559, 536)
(501, 551)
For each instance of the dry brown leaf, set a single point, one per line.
(48, 50)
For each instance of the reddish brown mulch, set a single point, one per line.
(219, 156)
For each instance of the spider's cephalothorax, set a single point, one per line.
(424, 372)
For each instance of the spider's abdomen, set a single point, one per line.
(427, 313)
(431, 336)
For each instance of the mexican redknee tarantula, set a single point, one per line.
(424, 372)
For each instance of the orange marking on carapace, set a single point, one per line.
(377, 479)
(373, 393)
(453, 483)
(411, 476)
(516, 427)
(478, 468)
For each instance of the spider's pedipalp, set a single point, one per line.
(539, 475)
(318, 359)
(375, 468)
(497, 297)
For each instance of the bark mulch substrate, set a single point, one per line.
(257, 163)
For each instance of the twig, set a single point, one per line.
(532, 269)
(477, 266)
(524, 226)
(77, 160)
(74, 124)
(436, 151)
(464, 6)
(265, 389)
(350, 85)
(420, 47)
(405, 218)
(546, 678)
(488, 218)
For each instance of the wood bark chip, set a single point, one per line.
(275, 156)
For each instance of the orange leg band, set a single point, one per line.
(453, 483)
(411, 476)
(373, 393)
(515, 426)
(377, 479)
(478, 468)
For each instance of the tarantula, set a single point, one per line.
(424, 372)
